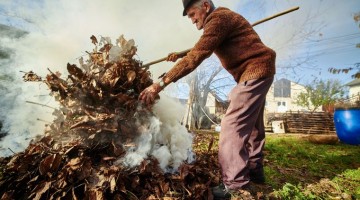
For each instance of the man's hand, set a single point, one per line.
(149, 95)
(172, 57)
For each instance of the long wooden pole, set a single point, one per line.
(183, 53)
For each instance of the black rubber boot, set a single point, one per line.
(257, 176)
(221, 192)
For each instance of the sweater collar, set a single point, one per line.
(218, 9)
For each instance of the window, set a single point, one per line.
(282, 88)
(281, 103)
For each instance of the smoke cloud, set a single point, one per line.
(163, 138)
(59, 32)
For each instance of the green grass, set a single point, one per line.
(349, 182)
(344, 186)
(294, 163)
(298, 169)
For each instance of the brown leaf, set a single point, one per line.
(47, 140)
(85, 170)
(131, 75)
(112, 184)
(33, 180)
(135, 182)
(93, 40)
(75, 71)
(121, 186)
(145, 77)
(143, 166)
(49, 164)
(84, 122)
(116, 149)
(40, 189)
(73, 194)
(72, 149)
(61, 184)
(157, 191)
(95, 194)
(164, 186)
(13, 163)
(113, 81)
(31, 76)
(8, 195)
(97, 58)
(106, 48)
(184, 171)
(74, 163)
(108, 158)
(34, 149)
(56, 163)
(121, 98)
(121, 40)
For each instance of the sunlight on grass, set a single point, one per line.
(298, 169)
(293, 162)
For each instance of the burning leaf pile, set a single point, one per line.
(84, 152)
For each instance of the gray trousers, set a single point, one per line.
(242, 136)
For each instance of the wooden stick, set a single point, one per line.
(276, 15)
(41, 120)
(183, 53)
(40, 104)
(12, 151)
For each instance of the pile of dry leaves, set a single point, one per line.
(93, 127)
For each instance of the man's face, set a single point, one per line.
(198, 15)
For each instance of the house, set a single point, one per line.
(213, 111)
(280, 99)
(354, 90)
(216, 105)
(282, 95)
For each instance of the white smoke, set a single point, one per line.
(59, 32)
(163, 138)
(21, 120)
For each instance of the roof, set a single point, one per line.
(217, 97)
(354, 82)
(284, 80)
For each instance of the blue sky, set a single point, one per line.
(332, 43)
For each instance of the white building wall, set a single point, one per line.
(286, 103)
(354, 91)
(210, 103)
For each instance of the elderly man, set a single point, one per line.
(252, 64)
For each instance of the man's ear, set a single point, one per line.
(207, 6)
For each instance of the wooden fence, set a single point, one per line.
(308, 123)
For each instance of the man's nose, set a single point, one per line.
(193, 20)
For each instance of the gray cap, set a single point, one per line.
(186, 4)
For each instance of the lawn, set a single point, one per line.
(298, 169)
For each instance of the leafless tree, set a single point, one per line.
(208, 77)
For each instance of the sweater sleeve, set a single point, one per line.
(216, 28)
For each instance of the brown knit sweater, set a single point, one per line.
(234, 41)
